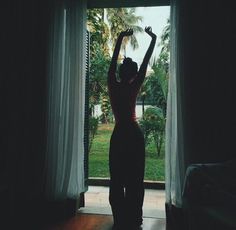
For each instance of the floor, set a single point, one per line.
(96, 200)
(103, 222)
(97, 213)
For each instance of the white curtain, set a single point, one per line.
(175, 163)
(66, 80)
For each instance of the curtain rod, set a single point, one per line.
(125, 3)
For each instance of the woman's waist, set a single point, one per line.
(125, 117)
(126, 121)
(127, 131)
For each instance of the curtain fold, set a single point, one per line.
(175, 155)
(66, 81)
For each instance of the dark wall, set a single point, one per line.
(24, 31)
(208, 34)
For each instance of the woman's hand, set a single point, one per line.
(148, 30)
(127, 32)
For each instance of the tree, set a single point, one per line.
(165, 38)
(99, 49)
(99, 65)
(99, 55)
(155, 89)
(99, 31)
(120, 19)
(156, 84)
(105, 108)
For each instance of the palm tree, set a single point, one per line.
(165, 38)
(99, 31)
(120, 19)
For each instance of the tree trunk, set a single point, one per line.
(159, 145)
(143, 107)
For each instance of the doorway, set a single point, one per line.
(151, 100)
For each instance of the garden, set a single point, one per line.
(152, 96)
(98, 157)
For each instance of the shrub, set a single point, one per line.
(153, 126)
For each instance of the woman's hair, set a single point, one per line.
(128, 69)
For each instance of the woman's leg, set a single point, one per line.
(117, 201)
(116, 192)
(134, 196)
(134, 192)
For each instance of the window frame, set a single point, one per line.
(126, 3)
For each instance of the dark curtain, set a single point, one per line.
(208, 53)
(209, 49)
(23, 41)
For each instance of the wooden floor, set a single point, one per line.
(97, 215)
(102, 222)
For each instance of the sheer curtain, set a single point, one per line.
(175, 162)
(66, 76)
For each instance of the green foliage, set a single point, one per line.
(99, 65)
(165, 38)
(99, 55)
(153, 126)
(98, 84)
(99, 31)
(161, 69)
(155, 86)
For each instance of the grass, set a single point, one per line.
(98, 157)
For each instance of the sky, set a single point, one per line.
(156, 17)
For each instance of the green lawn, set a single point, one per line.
(98, 157)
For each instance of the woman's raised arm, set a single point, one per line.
(113, 65)
(143, 67)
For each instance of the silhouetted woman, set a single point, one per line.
(127, 149)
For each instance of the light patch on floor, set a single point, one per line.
(96, 202)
